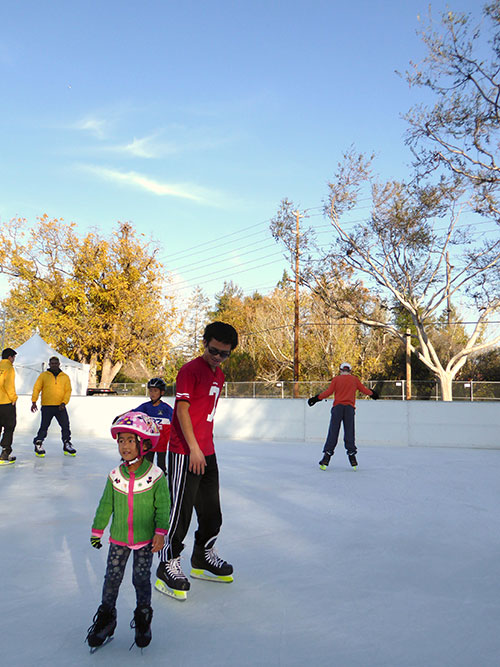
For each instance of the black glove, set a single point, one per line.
(375, 395)
(95, 542)
(313, 400)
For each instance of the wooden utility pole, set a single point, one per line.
(296, 318)
(448, 300)
(408, 364)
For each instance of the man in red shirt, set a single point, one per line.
(344, 386)
(193, 474)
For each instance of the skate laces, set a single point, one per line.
(213, 557)
(142, 619)
(174, 568)
(98, 623)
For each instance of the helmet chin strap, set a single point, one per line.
(129, 463)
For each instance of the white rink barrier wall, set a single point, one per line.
(395, 423)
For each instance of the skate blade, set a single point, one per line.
(323, 467)
(40, 456)
(93, 649)
(208, 576)
(69, 454)
(7, 463)
(171, 592)
(141, 647)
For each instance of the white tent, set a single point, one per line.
(33, 358)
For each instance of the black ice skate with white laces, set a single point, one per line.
(39, 450)
(353, 461)
(68, 449)
(206, 564)
(142, 625)
(171, 580)
(102, 629)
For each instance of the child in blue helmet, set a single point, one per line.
(162, 413)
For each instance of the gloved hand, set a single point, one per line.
(95, 542)
(313, 400)
(375, 395)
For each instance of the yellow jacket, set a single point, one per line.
(7, 382)
(56, 389)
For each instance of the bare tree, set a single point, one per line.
(413, 250)
(195, 322)
(402, 252)
(461, 131)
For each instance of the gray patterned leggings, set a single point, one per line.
(141, 574)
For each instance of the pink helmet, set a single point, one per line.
(138, 423)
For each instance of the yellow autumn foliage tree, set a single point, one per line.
(96, 299)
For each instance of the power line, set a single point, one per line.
(335, 324)
(263, 244)
(216, 256)
(222, 240)
(219, 256)
(195, 250)
(211, 277)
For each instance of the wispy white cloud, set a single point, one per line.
(145, 147)
(181, 190)
(153, 146)
(141, 148)
(92, 124)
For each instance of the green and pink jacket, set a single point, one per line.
(139, 503)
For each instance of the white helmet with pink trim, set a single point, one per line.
(142, 425)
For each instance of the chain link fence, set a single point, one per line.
(138, 389)
(389, 389)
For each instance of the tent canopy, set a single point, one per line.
(33, 358)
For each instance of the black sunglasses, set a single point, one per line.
(218, 353)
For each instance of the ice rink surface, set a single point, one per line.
(394, 564)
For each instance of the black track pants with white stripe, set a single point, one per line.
(188, 491)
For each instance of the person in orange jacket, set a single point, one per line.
(55, 387)
(344, 388)
(8, 398)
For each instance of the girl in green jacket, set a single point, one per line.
(136, 497)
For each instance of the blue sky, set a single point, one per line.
(194, 119)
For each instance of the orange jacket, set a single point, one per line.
(7, 383)
(56, 389)
(345, 387)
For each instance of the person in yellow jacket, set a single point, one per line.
(8, 398)
(55, 387)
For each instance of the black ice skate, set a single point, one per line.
(5, 457)
(206, 564)
(68, 449)
(353, 461)
(171, 580)
(142, 624)
(39, 450)
(102, 628)
(323, 464)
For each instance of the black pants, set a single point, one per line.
(8, 424)
(141, 574)
(188, 491)
(160, 459)
(48, 414)
(341, 414)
